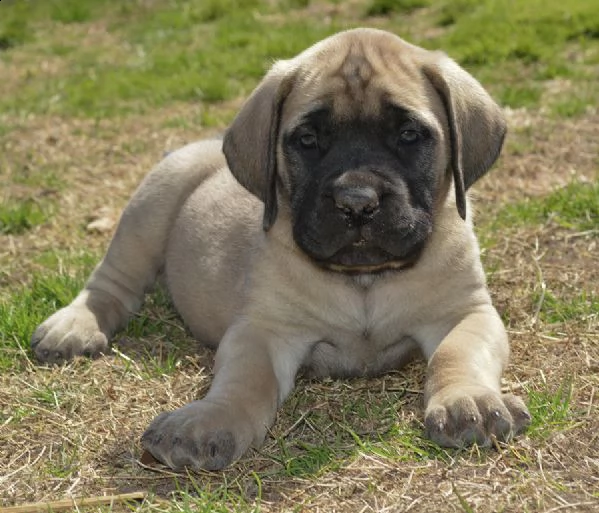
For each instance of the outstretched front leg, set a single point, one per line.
(464, 403)
(255, 370)
(117, 286)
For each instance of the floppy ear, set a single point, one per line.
(476, 124)
(250, 143)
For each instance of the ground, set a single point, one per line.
(94, 92)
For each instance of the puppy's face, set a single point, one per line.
(362, 159)
(361, 135)
(362, 189)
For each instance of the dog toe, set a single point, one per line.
(475, 417)
(200, 436)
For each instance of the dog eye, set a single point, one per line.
(409, 136)
(308, 140)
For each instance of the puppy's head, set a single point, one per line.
(362, 134)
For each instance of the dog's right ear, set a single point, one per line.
(250, 143)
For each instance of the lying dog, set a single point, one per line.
(328, 231)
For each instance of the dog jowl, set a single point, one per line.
(328, 231)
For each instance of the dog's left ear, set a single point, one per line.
(250, 143)
(476, 123)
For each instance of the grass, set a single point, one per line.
(574, 207)
(17, 217)
(581, 305)
(213, 51)
(526, 34)
(94, 91)
(550, 409)
(178, 51)
(522, 40)
(21, 310)
(387, 7)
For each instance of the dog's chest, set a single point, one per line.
(362, 334)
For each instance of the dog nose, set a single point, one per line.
(356, 201)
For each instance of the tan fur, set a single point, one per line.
(266, 306)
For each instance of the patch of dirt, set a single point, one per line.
(97, 165)
(541, 154)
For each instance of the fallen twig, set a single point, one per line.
(69, 504)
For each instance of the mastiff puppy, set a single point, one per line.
(329, 231)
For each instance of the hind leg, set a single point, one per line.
(117, 286)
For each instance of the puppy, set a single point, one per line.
(328, 231)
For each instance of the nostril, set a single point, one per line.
(369, 209)
(356, 201)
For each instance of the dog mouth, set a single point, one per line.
(360, 243)
(371, 247)
(361, 257)
(398, 265)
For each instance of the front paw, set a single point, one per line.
(72, 331)
(200, 435)
(460, 416)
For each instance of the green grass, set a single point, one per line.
(13, 32)
(20, 19)
(18, 217)
(354, 423)
(574, 207)
(491, 33)
(216, 50)
(21, 310)
(581, 306)
(305, 459)
(550, 409)
(400, 443)
(520, 95)
(179, 51)
(504, 43)
(195, 496)
(386, 7)
(576, 102)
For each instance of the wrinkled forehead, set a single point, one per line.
(361, 80)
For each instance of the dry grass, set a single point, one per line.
(74, 430)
